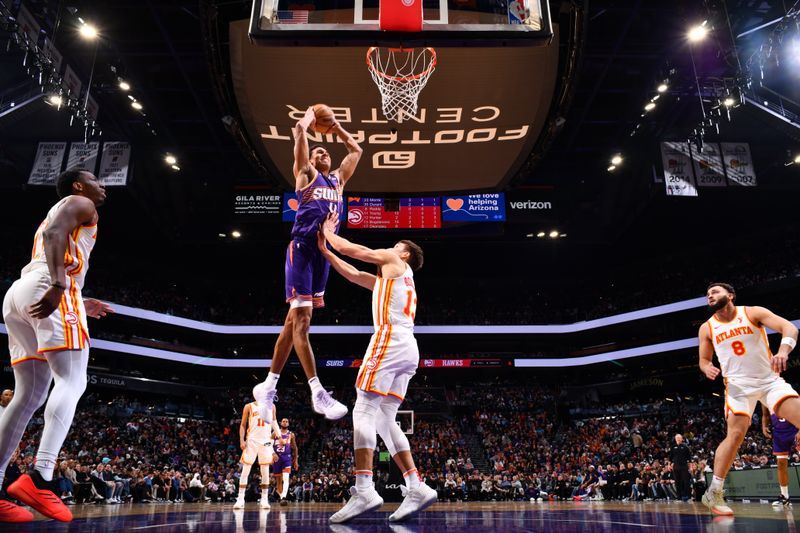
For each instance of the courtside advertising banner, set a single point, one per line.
(83, 156)
(739, 164)
(678, 175)
(708, 168)
(474, 208)
(47, 164)
(249, 202)
(114, 164)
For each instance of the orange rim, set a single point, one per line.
(425, 72)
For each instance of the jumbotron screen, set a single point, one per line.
(394, 213)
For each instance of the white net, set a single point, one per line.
(400, 74)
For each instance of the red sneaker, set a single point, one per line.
(13, 513)
(34, 491)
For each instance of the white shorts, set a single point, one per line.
(391, 361)
(742, 394)
(262, 451)
(32, 338)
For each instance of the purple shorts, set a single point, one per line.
(783, 444)
(306, 272)
(283, 464)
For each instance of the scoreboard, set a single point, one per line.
(394, 213)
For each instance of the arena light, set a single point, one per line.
(616, 160)
(136, 105)
(88, 32)
(124, 85)
(541, 234)
(728, 102)
(222, 235)
(612, 168)
(56, 100)
(797, 159)
(662, 88)
(553, 234)
(236, 234)
(698, 33)
(175, 167)
(656, 97)
(170, 159)
(650, 106)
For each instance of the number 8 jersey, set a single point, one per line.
(742, 347)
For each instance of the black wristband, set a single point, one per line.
(58, 286)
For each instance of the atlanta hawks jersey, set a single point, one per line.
(394, 301)
(259, 429)
(79, 246)
(741, 347)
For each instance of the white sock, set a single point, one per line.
(242, 490)
(785, 491)
(285, 490)
(717, 482)
(315, 385)
(363, 481)
(45, 466)
(272, 381)
(411, 478)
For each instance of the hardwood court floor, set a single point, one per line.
(584, 517)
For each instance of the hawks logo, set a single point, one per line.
(71, 318)
(371, 364)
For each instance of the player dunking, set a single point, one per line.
(785, 438)
(286, 450)
(319, 191)
(48, 340)
(256, 434)
(390, 362)
(750, 372)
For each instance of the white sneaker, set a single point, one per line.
(414, 501)
(715, 501)
(264, 397)
(239, 503)
(324, 404)
(357, 505)
(264, 503)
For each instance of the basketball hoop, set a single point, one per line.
(400, 74)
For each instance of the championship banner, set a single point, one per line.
(739, 164)
(83, 156)
(92, 108)
(27, 24)
(708, 168)
(72, 83)
(678, 176)
(114, 163)
(54, 55)
(47, 165)
(474, 208)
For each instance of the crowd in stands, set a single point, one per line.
(492, 444)
(626, 289)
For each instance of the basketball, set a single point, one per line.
(324, 118)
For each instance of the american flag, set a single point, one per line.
(292, 17)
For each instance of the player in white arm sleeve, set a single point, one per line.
(391, 361)
(750, 372)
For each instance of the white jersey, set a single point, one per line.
(742, 347)
(259, 429)
(79, 247)
(394, 302)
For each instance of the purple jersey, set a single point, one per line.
(284, 452)
(783, 435)
(316, 201)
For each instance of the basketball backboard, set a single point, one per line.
(460, 22)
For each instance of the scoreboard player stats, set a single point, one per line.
(393, 213)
